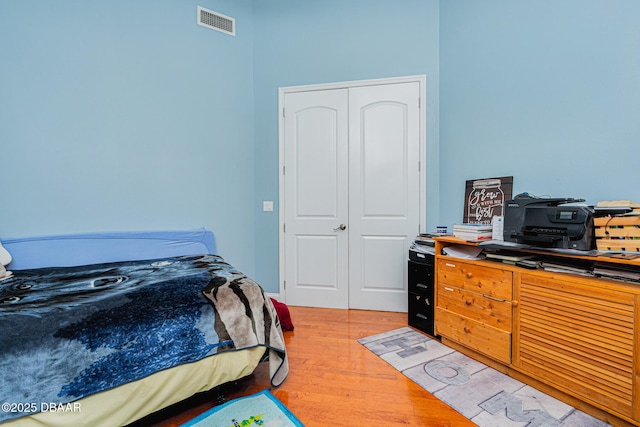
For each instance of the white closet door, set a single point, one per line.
(384, 203)
(351, 195)
(316, 198)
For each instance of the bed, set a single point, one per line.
(106, 328)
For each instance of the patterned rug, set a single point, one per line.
(480, 393)
(261, 409)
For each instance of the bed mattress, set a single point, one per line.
(76, 332)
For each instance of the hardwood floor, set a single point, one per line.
(335, 381)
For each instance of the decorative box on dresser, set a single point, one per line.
(573, 337)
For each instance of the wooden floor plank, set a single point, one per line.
(335, 381)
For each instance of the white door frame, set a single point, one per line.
(421, 79)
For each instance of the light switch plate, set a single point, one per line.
(267, 206)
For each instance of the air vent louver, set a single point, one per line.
(216, 21)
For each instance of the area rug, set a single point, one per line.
(480, 393)
(261, 409)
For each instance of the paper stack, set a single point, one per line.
(473, 232)
(424, 243)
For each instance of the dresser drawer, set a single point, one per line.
(480, 308)
(421, 312)
(420, 278)
(490, 281)
(478, 336)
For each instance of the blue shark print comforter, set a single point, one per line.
(67, 333)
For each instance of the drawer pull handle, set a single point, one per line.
(467, 330)
(448, 289)
(420, 285)
(422, 316)
(469, 275)
(448, 264)
(468, 302)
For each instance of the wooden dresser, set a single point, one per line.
(573, 337)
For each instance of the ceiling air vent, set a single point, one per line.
(216, 21)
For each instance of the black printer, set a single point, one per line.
(548, 222)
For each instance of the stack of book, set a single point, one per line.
(472, 232)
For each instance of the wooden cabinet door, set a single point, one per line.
(579, 338)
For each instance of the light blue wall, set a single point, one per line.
(310, 42)
(126, 115)
(546, 91)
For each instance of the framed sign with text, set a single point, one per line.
(485, 198)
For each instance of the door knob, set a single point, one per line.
(340, 227)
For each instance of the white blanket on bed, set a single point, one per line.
(247, 317)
